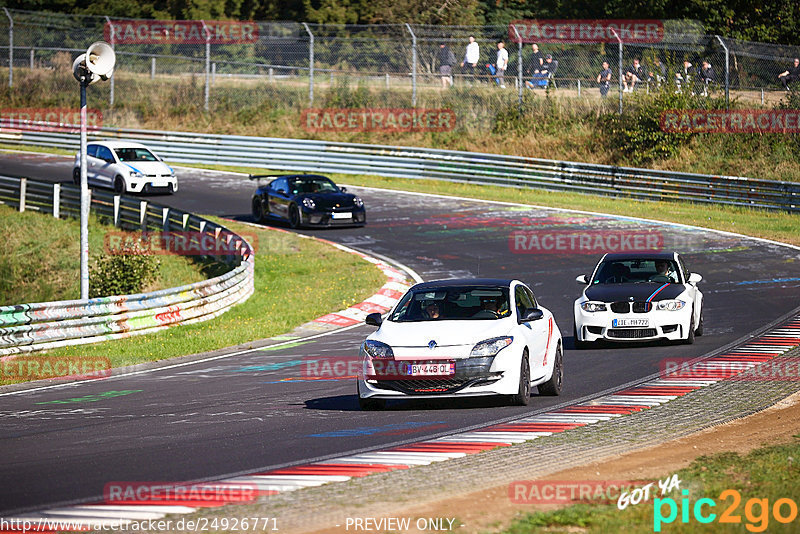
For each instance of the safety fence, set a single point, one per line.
(304, 64)
(31, 327)
(428, 163)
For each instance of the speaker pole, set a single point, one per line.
(84, 196)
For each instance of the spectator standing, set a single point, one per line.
(634, 74)
(502, 63)
(659, 72)
(471, 58)
(604, 79)
(705, 77)
(684, 76)
(792, 74)
(537, 60)
(446, 60)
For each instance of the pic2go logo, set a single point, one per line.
(756, 511)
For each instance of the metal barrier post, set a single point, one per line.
(57, 201)
(413, 66)
(143, 214)
(116, 210)
(520, 84)
(727, 73)
(10, 48)
(23, 190)
(208, 64)
(32, 56)
(579, 88)
(310, 65)
(165, 219)
(111, 90)
(153, 68)
(620, 68)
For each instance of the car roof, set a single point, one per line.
(640, 256)
(461, 282)
(119, 144)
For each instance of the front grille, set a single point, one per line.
(642, 307)
(620, 307)
(426, 386)
(631, 333)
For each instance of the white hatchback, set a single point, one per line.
(125, 166)
(463, 337)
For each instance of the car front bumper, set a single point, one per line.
(600, 326)
(326, 218)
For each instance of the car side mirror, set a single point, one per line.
(374, 319)
(582, 279)
(532, 315)
(694, 278)
(344, 189)
(281, 191)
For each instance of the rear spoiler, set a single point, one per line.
(264, 176)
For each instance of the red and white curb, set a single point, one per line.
(728, 365)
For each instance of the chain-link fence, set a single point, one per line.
(397, 66)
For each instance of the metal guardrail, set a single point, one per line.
(427, 163)
(31, 327)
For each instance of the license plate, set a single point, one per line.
(342, 216)
(622, 323)
(432, 369)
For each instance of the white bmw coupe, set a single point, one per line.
(462, 337)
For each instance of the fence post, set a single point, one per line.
(579, 88)
(520, 84)
(23, 190)
(213, 72)
(165, 219)
(143, 215)
(310, 65)
(116, 209)
(619, 67)
(208, 64)
(32, 55)
(153, 68)
(10, 48)
(111, 88)
(57, 201)
(413, 66)
(727, 73)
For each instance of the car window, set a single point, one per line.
(637, 271)
(524, 302)
(135, 154)
(315, 184)
(280, 184)
(92, 150)
(104, 153)
(531, 296)
(453, 303)
(685, 270)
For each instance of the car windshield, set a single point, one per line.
(135, 154)
(637, 271)
(313, 185)
(453, 303)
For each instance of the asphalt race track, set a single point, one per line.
(259, 409)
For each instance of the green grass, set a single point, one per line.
(296, 280)
(777, 226)
(769, 473)
(30, 271)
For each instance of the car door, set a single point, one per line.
(279, 197)
(534, 332)
(105, 167)
(91, 163)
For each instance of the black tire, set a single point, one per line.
(523, 396)
(76, 176)
(699, 330)
(119, 186)
(690, 336)
(294, 216)
(579, 345)
(370, 404)
(258, 210)
(553, 386)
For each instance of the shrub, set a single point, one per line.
(126, 272)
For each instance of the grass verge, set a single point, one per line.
(777, 226)
(296, 281)
(31, 272)
(760, 479)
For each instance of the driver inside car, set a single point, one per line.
(662, 272)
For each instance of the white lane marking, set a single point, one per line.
(130, 513)
(503, 434)
(165, 509)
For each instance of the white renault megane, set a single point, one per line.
(463, 337)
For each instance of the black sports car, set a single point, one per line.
(306, 200)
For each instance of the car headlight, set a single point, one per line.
(670, 305)
(309, 203)
(376, 349)
(136, 174)
(592, 306)
(358, 202)
(490, 347)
